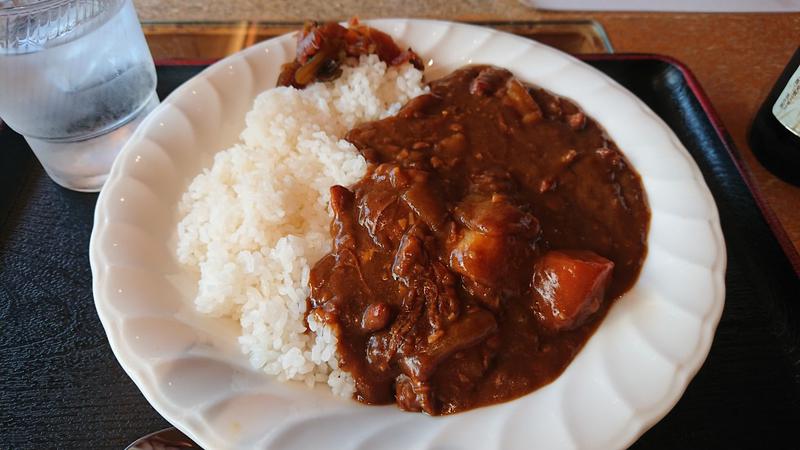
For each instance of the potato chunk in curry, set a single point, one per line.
(569, 286)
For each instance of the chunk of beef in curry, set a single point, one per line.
(495, 225)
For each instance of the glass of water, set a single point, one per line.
(76, 79)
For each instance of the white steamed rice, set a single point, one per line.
(257, 220)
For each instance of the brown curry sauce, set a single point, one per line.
(495, 226)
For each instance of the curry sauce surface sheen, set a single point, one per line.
(494, 227)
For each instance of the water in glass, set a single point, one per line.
(76, 78)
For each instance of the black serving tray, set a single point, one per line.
(60, 386)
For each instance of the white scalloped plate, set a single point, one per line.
(629, 375)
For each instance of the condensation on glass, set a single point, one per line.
(76, 78)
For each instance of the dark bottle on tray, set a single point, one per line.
(775, 134)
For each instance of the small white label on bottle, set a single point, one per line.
(787, 108)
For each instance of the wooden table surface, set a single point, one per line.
(736, 57)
